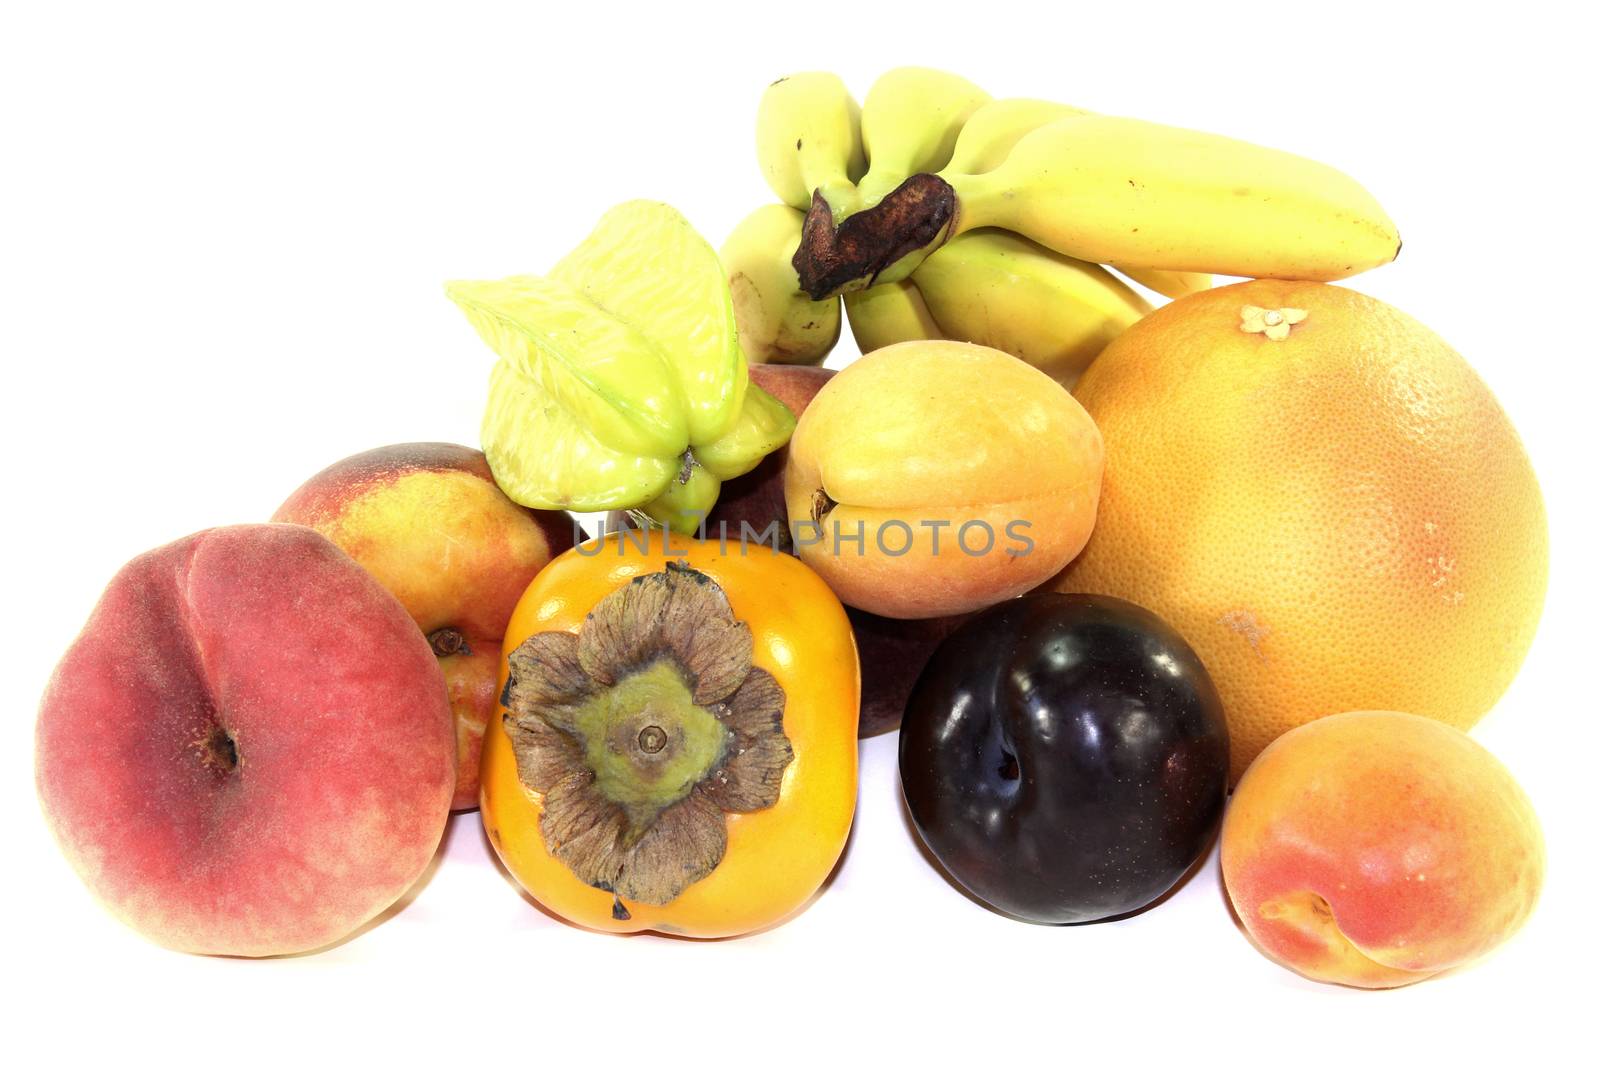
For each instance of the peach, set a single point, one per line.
(248, 750)
(428, 521)
(1376, 848)
(932, 478)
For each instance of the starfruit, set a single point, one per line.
(621, 383)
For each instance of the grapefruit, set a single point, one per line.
(1326, 501)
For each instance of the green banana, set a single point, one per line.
(808, 140)
(888, 314)
(991, 287)
(909, 124)
(995, 288)
(777, 322)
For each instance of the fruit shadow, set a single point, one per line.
(494, 857)
(933, 861)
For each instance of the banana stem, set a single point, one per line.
(883, 243)
(843, 198)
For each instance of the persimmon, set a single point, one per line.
(676, 748)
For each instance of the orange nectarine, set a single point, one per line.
(428, 521)
(1377, 848)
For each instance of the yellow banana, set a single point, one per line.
(1138, 194)
(777, 322)
(1170, 283)
(995, 128)
(909, 124)
(888, 314)
(808, 139)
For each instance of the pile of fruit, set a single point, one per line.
(1099, 563)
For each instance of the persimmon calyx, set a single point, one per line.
(643, 730)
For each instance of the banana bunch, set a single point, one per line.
(816, 146)
(938, 211)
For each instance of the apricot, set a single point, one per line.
(893, 651)
(428, 521)
(931, 478)
(248, 750)
(1376, 848)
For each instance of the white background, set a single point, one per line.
(222, 239)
